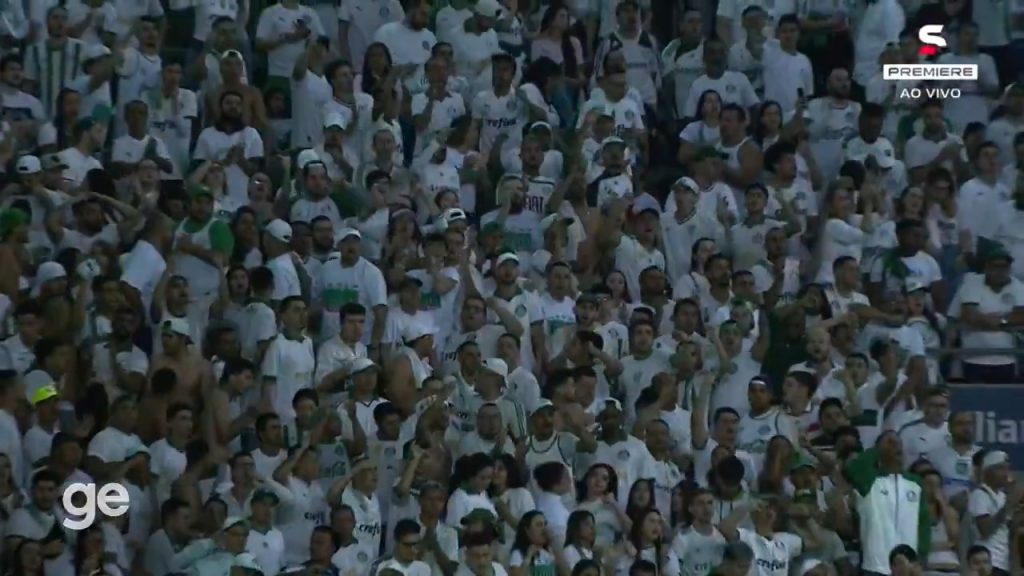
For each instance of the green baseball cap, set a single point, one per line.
(801, 461)
(199, 190)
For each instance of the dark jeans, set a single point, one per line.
(990, 374)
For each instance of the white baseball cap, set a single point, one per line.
(611, 140)
(95, 51)
(506, 257)
(347, 233)
(994, 458)
(307, 156)
(335, 120)
(488, 8)
(686, 182)
(497, 366)
(417, 330)
(280, 230)
(541, 405)
(644, 203)
(29, 164)
(914, 284)
(362, 365)
(178, 326)
(47, 271)
(453, 215)
(232, 521)
(886, 154)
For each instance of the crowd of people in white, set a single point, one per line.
(506, 288)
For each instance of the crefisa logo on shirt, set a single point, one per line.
(81, 501)
(931, 41)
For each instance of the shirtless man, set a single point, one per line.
(232, 71)
(154, 403)
(226, 418)
(195, 375)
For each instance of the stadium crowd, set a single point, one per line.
(507, 287)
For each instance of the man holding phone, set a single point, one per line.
(283, 32)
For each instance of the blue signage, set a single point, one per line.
(999, 415)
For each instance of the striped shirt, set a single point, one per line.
(53, 69)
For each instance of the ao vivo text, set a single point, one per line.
(110, 499)
(929, 92)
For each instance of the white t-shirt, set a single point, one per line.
(698, 553)
(369, 522)
(10, 444)
(920, 151)
(111, 445)
(363, 18)
(407, 46)
(290, 363)
(213, 144)
(784, 73)
(921, 266)
(268, 549)
(131, 151)
(498, 115)
(628, 112)
(258, 324)
(984, 501)
(78, 165)
(337, 285)
(881, 24)
(278, 20)
(170, 120)
(974, 290)
(473, 54)
(167, 463)
(207, 11)
(772, 556)
(309, 96)
(441, 116)
(732, 87)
